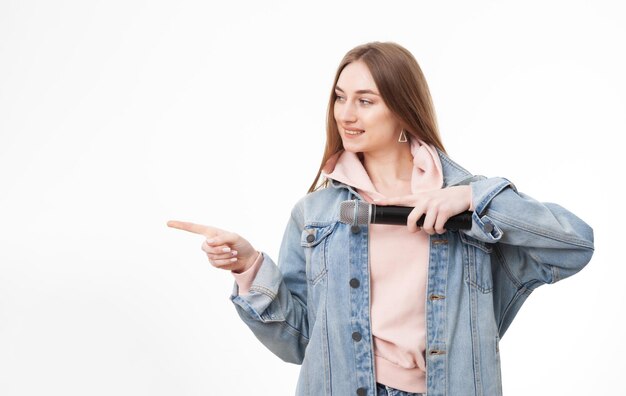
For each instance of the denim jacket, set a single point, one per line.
(313, 308)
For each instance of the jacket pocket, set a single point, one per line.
(314, 240)
(478, 260)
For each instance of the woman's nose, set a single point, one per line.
(346, 112)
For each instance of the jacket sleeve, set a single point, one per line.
(275, 306)
(534, 243)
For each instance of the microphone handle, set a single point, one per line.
(397, 215)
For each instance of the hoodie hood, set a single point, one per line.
(346, 167)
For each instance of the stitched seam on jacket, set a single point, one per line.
(263, 290)
(507, 270)
(536, 230)
(482, 205)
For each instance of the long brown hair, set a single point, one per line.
(403, 88)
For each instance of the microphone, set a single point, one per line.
(366, 213)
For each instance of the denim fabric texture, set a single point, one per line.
(306, 306)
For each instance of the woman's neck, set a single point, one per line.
(390, 167)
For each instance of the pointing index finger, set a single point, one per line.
(192, 227)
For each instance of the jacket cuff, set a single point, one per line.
(262, 292)
(244, 279)
(483, 191)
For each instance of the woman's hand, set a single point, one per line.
(225, 250)
(438, 206)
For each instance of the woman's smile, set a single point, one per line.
(353, 132)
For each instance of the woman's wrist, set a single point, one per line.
(249, 264)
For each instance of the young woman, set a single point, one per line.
(396, 310)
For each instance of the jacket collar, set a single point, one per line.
(453, 173)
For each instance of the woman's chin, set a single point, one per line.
(352, 147)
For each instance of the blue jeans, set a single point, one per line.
(384, 390)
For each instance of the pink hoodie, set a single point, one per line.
(398, 271)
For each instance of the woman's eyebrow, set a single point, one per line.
(360, 91)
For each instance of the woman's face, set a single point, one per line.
(359, 107)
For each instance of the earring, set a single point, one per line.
(402, 137)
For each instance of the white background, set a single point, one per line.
(116, 116)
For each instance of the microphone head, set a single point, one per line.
(355, 209)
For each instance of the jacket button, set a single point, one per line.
(310, 238)
(355, 230)
(354, 282)
(361, 392)
(488, 227)
(356, 336)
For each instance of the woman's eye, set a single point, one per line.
(362, 101)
